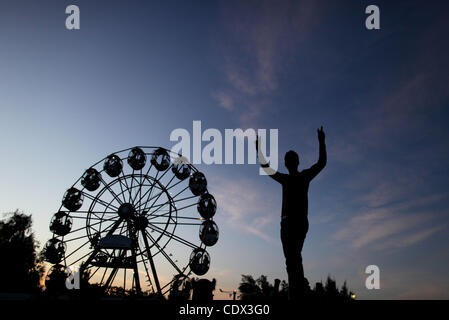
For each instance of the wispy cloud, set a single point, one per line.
(391, 226)
(259, 36)
(246, 206)
(410, 239)
(224, 99)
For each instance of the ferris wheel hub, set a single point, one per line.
(141, 222)
(126, 211)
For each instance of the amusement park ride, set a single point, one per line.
(133, 211)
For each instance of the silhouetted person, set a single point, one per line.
(294, 221)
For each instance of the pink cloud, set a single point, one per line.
(245, 206)
(224, 99)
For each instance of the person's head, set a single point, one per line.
(291, 161)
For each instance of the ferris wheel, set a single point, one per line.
(139, 219)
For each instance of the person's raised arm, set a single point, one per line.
(322, 159)
(264, 164)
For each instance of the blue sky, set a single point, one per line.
(136, 71)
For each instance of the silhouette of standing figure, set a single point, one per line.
(294, 221)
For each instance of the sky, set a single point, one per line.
(136, 71)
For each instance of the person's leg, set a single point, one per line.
(292, 261)
(300, 271)
(302, 233)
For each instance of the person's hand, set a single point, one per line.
(321, 135)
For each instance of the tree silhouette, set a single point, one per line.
(21, 269)
(330, 291)
(249, 288)
(261, 289)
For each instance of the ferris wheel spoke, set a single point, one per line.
(141, 184)
(96, 200)
(93, 273)
(165, 203)
(110, 278)
(131, 188)
(112, 227)
(162, 215)
(180, 217)
(163, 190)
(145, 204)
(97, 217)
(108, 187)
(170, 201)
(125, 185)
(76, 250)
(92, 218)
(73, 239)
(161, 250)
(174, 185)
(152, 205)
(160, 206)
(125, 229)
(148, 192)
(168, 284)
(149, 169)
(94, 224)
(178, 209)
(190, 218)
(177, 223)
(166, 170)
(174, 197)
(83, 228)
(155, 181)
(188, 206)
(140, 188)
(150, 186)
(172, 236)
(91, 211)
(122, 193)
(183, 199)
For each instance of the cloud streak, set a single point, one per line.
(391, 226)
(245, 206)
(260, 37)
